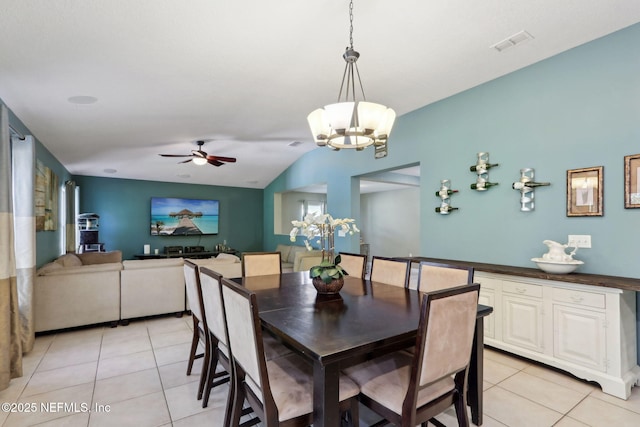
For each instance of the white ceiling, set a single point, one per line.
(245, 74)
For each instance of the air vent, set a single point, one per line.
(511, 41)
(294, 143)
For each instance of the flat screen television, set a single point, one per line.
(183, 217)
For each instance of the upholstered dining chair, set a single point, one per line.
(433, 276)
(201, 333)
(412, 388)
(280, 390)
(353, 264)
(261, 263)
(390, 271)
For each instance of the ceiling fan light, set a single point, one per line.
(199, 161)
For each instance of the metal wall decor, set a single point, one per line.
(481, 168)
(445, 193)
(527, 187)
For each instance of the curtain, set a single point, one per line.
(10, 340)
(24, 226)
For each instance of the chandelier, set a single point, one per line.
(352, 123)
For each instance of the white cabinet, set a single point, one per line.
(589, 331)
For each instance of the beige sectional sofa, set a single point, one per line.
(98, 287)
(298, 258)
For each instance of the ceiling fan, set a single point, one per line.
(200, 157)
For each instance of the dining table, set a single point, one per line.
(335, 331)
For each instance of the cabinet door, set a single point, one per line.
(579, 336)
(487, 297)
(522, 322)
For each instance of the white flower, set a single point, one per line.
(312, 226)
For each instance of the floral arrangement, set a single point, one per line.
(323, 227)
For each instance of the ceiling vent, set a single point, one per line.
(513, 40)
(294, 143)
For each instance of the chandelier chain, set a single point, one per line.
(351, 24)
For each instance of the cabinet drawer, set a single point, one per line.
(524, 289)
(588, 299)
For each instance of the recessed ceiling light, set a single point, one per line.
(109, 170)
(252, 182)
(82, 100)
(184, 175)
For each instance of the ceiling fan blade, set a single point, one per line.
(176, 155)
(215, 162)
(222, 159)
(185, 161)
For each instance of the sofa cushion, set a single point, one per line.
(229, 257)
(69, 260)
(136, 264)
(294, 250)
(82, 269)
(48, 268)
(284, 251)
(89, 258)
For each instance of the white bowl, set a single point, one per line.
(556, 267)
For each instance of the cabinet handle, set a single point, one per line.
(577, 298)
(521, 290)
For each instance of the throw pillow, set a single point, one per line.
(228, 256)
(69, 260)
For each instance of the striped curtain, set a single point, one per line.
(10, 330)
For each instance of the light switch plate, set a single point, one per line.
(579, 240)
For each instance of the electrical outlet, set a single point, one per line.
(579, 241)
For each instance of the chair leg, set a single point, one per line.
(194, 345)
(237, 401)
(203, 373)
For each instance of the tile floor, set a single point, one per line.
(138, 373)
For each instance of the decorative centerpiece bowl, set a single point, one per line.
(557, 267)
(332, 287)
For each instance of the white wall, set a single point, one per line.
(390, 222)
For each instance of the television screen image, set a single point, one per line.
(182, 217)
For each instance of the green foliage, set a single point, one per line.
(328, 271)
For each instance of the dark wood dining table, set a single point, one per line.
(336, 331)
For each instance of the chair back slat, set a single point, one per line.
(261, 263)
(436, 276)
(212, 301)
(192, 284)
(390, 271)
(353, 264)
(445, 335)
(245, 336)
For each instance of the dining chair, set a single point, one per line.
(390, 271)
(412, 388)
(280, 390)
(433, 276)
(261, 263)
(201, 333)
(217, 329)
(353, 264)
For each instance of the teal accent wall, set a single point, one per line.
(578, 109)
(124, 208)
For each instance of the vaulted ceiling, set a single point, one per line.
(243, 75)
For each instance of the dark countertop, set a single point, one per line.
(626, 283)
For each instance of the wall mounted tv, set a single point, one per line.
(183, 217)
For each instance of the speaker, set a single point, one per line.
(172, 250)
(193, 249)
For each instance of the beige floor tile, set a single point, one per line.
(125, 364)
(494, 372)
(505, 358)
(77, 420)
(173, 353)
(214, 417)
(45, 381)
(596, 412)
(125, 345)
(147, 410)
(516, 411)
(544, 392)
(632, 403)
(175, 374)
(168, 324)
(183, 402)
(72, 355)
(561, 378)
(123, 387)
(171, 338)
(570, 422)
(72, 399)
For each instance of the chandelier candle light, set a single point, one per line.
(351, 123)
(328, 277)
